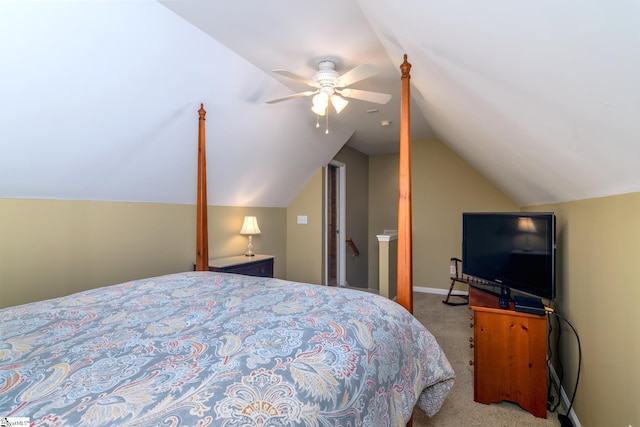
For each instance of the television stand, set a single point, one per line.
(509, 352)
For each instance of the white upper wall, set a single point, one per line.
(99, 100)
(542, 97)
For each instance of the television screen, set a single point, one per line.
(516, 249)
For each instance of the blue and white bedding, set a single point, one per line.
(215, 349)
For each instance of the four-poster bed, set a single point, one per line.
(205, 348)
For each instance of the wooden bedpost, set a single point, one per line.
(202, 233)
(405, 269)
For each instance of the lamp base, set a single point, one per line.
(249, 247)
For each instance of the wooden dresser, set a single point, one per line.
(257, 265)
(509, 350)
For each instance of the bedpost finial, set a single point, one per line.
(405, 67)
(202, 112)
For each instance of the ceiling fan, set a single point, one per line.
(331, 88)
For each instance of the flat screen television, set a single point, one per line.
(512, 249)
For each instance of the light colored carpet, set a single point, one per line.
(450, 326)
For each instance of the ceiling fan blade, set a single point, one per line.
(295, 95)
(356, 74)
(364, 95)
(294, 76)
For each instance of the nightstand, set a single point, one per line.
(509, 354)
(257, 265)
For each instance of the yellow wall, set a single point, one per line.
(50, 248)
(383, 206)
(305, 241)
(598, 292)
(224, 224)
(443, 186)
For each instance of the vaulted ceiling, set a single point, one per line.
(99, 100)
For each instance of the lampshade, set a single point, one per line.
(320, 103)
(338, 103)
(526, 225)
(318, 111)
(250, 226)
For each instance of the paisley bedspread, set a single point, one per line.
(215, 349)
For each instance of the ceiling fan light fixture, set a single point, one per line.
(320, 103)
(321, 100)
(319, 111)
(338, 102)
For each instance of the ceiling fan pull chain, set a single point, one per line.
(326, 115)
(317, 121)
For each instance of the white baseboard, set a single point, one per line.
(437, 291)
(565, 399)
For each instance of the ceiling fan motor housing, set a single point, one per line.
(326, 77)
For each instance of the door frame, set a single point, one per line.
(341, 223)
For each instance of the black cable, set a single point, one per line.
(560, 366)
(564, 420)
(552, 384)
(549, 361)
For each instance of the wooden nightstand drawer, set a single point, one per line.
(258, 265)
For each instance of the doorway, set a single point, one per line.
(335, 224)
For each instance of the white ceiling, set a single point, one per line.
(98, 100)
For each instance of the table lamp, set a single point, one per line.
(250, 227)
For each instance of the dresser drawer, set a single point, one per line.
(259, 268)
(260, 265)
